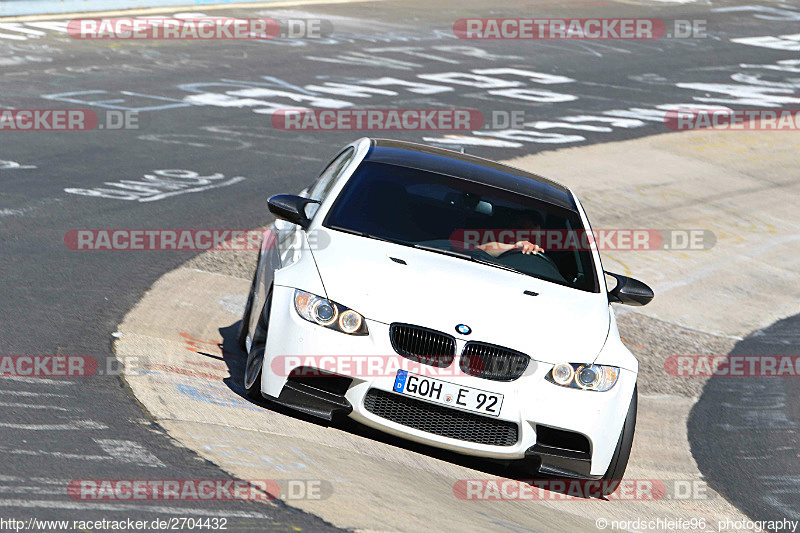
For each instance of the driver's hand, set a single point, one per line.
(529, 247)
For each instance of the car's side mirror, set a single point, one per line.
(291, 208)
(629, 291)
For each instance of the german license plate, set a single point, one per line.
(449, 394)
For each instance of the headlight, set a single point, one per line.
(563, 373)
(587, 377)
(350, 321)
(329, 314)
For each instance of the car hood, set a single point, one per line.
(388, 283)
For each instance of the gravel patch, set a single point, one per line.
(237, 264)
(652, 341)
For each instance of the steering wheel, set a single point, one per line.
(539, 255)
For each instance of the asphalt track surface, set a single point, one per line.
(743, 431)
(60, 301)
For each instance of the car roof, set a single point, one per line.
(471, 168)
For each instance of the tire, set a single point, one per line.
(241, 336)
(619, 461)
(255, 357)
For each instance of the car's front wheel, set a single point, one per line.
(255, 356)
(619, 461)
(241, 336)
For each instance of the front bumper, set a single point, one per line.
(528, 402)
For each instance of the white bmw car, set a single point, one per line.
(504, 350)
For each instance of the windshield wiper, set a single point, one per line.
(468, 257)
(443, 251)
(368, 236)
(499, 265)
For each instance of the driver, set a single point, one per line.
(531, 221)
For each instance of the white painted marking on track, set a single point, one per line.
(231, 181)
(100, 506)
(789, 43)
(468, 140)
(34, 406)
(12, 489)
(120, 451)
(762, 12)
(37, 381)
(141, 11)
(16, 26)
(159, 185)
(13, 37)
(776, 503)
(128, 451)
(53, 25)
(35, 394)
(59, 455)
(71, 426)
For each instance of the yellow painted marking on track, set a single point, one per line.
(174, 9)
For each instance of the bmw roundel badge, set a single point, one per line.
(463, 329)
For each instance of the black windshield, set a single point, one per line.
(433, 211)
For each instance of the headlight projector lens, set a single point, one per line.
(324, 313)
(563, 373)
(350, 321)
(588, 377)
